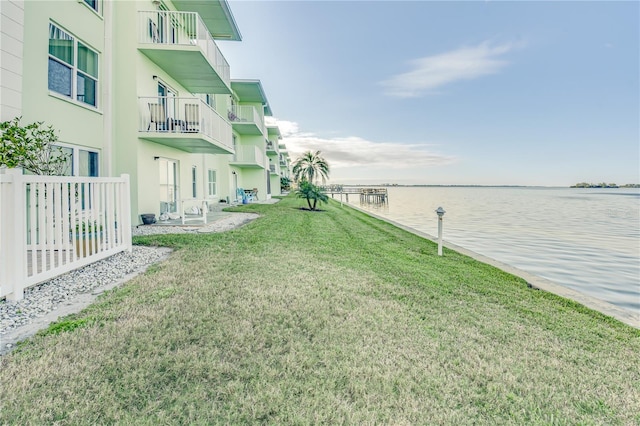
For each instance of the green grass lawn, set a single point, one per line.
(327, 317)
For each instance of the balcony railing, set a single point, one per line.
(272, 168)
(167, 28)
(246, 114)
(272, 146)
(183, 116)
(249, 156)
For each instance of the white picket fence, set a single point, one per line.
(50, 225)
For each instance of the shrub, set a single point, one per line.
(312, 194)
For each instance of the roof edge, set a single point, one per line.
(229, 15)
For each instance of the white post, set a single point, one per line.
(125, 218)
(440, 211)
(15, 261)
(6, 226)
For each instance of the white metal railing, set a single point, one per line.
(246, 114)
(170, 114)
(249, 155)
(53, 224)
(182, 29)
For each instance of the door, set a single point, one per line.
(268, 182)
(235, 187)
(168, 185)
(167, 98)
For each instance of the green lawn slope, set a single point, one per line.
(329, 317)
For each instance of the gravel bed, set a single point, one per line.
(47, 296)
(226, 223)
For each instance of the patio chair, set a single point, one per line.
(191, 117)
(158, 117)
(254, 194)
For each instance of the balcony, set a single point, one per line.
(180, 44)
(249, 157)
(273, 169)
(187, 124)
(272, 147)
(246, 120)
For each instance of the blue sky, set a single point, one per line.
(422, 92)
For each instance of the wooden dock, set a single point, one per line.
(371, 195)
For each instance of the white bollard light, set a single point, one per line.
(441, 213)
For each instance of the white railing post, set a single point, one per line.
(6, 226)
(125, 201)
(15, 259)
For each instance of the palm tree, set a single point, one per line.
(312, 194)
(309, 166)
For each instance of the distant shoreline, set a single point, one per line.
(395, 185)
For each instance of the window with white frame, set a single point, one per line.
(211, 183)
(73, 67)
(93, 4)
(82, 162)
(211, 101)
(235, 147)
(194, 181)
(87, 163)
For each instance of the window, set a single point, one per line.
(235, 148)
(194, 180)
(82, 162)
(211, 101)
(73, 67)
(165, 28)
(211, 183)
(68, 167)
(93, 4)
(87, 163)
(233, 113)
(167, 100)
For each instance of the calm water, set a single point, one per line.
(584, 239)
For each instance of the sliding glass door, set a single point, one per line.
(168, 185)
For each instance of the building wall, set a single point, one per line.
(125, 74)
(275, 178)
(137, 76)
(219, 163)
(249, 177)
(77, 124)
(275, 185)
(11, 58)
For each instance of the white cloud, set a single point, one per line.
(286, 127)
(431, 72)
(350, 152)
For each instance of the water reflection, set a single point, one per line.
(584, 239)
